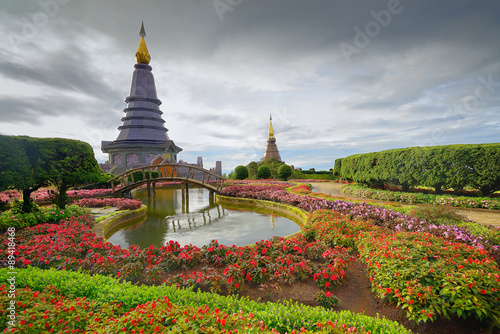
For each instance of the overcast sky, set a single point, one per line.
(339, 77)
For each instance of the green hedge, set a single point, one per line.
(284, 316)
(139, 176)
(449, 166)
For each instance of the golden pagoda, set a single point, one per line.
(271, 148)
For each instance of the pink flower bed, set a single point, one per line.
(48, 194)
(378, 215)
(120, 203)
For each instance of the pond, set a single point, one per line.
(198, 222)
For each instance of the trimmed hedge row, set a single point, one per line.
(448, 166)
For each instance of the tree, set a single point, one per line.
(252, 169)
(68, 163)
(240, 172)
(263, 172)
(17, 171)
(31, 163)
(284, 172)
(272, 163)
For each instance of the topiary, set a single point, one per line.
(263, 172)
(284, 172)
(240, 173)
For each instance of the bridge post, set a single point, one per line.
(211, 196)
(154, 189)
(185, 190)
(149, 190)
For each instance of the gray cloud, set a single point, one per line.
(416, 81)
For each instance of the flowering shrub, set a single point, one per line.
(282, 317)
(48, 194)
(120, 203)
(276, 261)
(321, 254)
(327, 299)
(380, 216)
(396, 196)
(49, 311)
(430, 277)
(43, 215)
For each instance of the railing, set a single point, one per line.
(167, 172)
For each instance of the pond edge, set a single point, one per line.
(299, 216)
(103, 227)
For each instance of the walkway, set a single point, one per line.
(482, 216)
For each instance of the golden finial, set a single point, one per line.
(271, 131)
(142, 54)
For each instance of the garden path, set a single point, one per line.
(482, 216)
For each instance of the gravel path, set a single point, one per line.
(482, 216)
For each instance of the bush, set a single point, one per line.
(43, 215)
(263, 172)
(284, 172)
(283, 316)
(103, 181)
(140, 176)
(240, 173)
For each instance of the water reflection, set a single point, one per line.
(198, 221)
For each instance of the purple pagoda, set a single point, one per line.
(143, 135)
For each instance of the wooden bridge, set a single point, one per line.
(150, 175)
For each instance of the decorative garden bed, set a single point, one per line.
(316, 262)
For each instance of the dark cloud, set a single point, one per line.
(419, 78)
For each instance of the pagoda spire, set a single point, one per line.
(142, 54)
(271, 148)
(271, 131)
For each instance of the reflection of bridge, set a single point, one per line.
(191, 218)
(150, 175)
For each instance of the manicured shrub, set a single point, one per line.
(440, 167)
(263, 172)
(140, 176)
(240, 172)
(284, 172)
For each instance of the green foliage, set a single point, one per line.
(440, 167)
(430, 277)
(140, 176)
(102, 182)
(15, 168)
(15, 217)
(240, 172)
(422, 198)
(284, 172)
(327, 299)
(336, 169)
(306, 174)
(272, 163)
(16, 207)
(436, 214)
(284, 316)
(35, 162)
(263, 172)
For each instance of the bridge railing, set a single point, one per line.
(174, 172)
